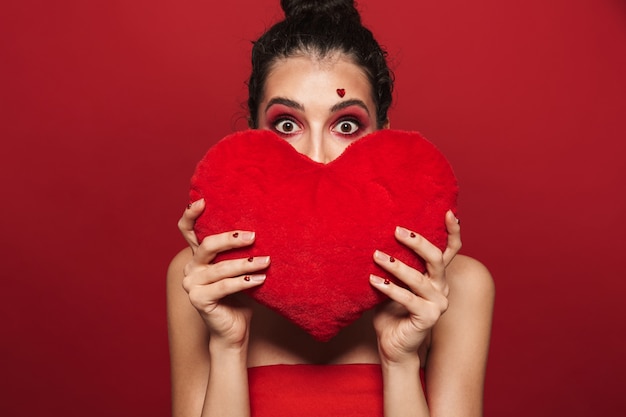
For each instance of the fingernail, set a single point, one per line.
(245, 236)
(381, 256)
(262, 260)
(195, 203)
(376, 280)
(256, 277)
(455, 218)
(403, 233)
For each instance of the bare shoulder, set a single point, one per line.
(470, 277)
(471, 300)
(175, 269)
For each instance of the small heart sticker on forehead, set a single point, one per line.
(341, 92)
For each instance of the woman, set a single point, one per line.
(320, 81)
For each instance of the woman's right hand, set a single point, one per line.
(209, 284)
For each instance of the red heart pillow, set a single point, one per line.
(321, 223)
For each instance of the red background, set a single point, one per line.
(107, 106)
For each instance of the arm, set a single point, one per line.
(209, 337)
(189, 341)
(455, 370)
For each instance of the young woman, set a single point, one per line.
(233, 357)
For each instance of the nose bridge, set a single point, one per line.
(316, 146)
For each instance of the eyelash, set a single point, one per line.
(283, 119)
(335, 127)
(351, 120)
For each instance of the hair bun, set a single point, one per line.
(336, 10)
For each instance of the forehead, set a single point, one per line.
(307, 77)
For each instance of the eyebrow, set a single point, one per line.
(295, 105)
(284, 102)
(348, 103)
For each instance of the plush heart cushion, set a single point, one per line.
(321, 223)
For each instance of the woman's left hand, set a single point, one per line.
(403, 323)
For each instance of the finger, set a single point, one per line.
(214, 244)
(453, 226)
(427, 310)
(202, 296)
(188, 220)
(417, 282)
(237, 267)
(208, 274)
(432, 256)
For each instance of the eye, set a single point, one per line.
(347, 127)
(287, 126)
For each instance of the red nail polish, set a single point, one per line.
(236, 234)
(246, 278)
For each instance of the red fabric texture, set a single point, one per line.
(321, 223)
(316, 391)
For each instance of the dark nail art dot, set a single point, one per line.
(387, 282)
(392, 259)
(246, 278)
(412, 234)
(236, 234)
(188, 206)
(250, 259)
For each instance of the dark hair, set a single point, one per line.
(320, 28)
